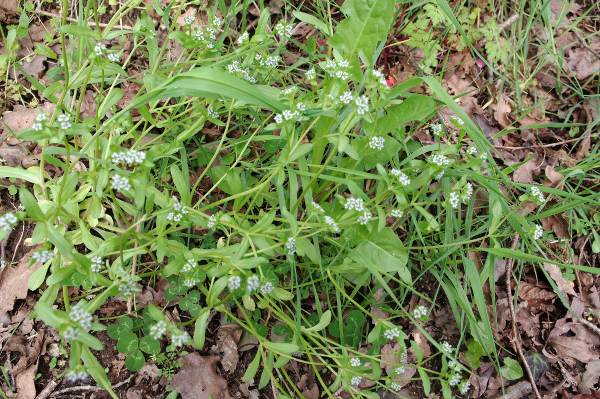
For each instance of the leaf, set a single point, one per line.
(511, 370)
(282, 347)
(415, 108)
(14, 282)
(367, 24)
(32, 175)
(95, 369)
(128, 343)
(200, 329)
(563, 284)
(314, 21)
(149, 345)
(198, 378)
(322, 324)
(31, 205)
(135, 361)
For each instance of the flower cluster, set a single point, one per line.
(331, 222)
(356, 380)
(289, 115)
(178, 212)
(78, 315)
(311, 74)
(96, 264)
(212, 113)
(537, 194)
(318, 207)
(7, 222)
(129, 157)
(440, 160)
(42, 256)
(401, 176)
(362, 105)
(99, 49)
(380, 77)
(436, 129)
(212, 221)
(39, 121)
(63, 121)
(420, 312)
(209, 34)
(243, 38)
(267, 288)
(253, 283)
(397, 213)
(290, 245)
(538, 232)
(454, 199)
(355, 204)
(447, 348)
(365, 218)
(234, 283)
(158, 330)
(284, 30)
(347, 97)
(270, 61)
(127, 285)
(189, 19)
(472, 150)
(113, 57)
(73, 376)
(337, 69)
(391, 333)
(377, 143)
(467, 193)
(120, 183)
(180, 339)
(236, 67)
(189, 266)
(355, 362)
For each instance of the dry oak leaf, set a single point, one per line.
(554, 176)
(26, 384)
(590, 377)
(198, 378)
(583, 63)
(564, 285)
(22, 117)
(525, 172)
(572, 340)
(228, 337)
(13, 283)
(536, 297)
(502, 110)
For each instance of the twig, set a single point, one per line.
(516, 339)
(517, 391)
(48, 390)
(589, 325)
(88, 387)
(509, 22)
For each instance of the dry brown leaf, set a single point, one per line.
(583, 63)
(26, 384)
(228, 337)
(198, 378)
(525, 172)
(564, 285)
(311, 393)
(536, 297)
(502, 110)
(584, 147)
(572, 340)
(558, 225)
(35, 66)
(554, 176)
(590, 377)
(22, 117)
(12, 155)
(247, 392)
(14, 282)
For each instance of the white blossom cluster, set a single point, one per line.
(42, 256)
(355, 204)
(189, 265)
(7, 222)
(284, 30)
(440, 160)
(80, 316)
(347, 97)
(96, 264)
(180, 339)
(290, 246)
(468, 193)
(64, 122)
(401, 176)
(39, 121)
(337, 69)
(189, 282)
(209, 34)
(464, 387)
(270, 61)
(472, 150)
(99, 49)
(236, 67)
(537, 194)
(331, 222)
(71, 333)
(457, 120)
(311, 74)
(127, 285)
(356, 380)
(129, 157)
(318, 207)
(394, 386)
(253, 283)
(377, 143)
(397, 213)
(243, 38)
(362, 105)
(538, 232)
(73, 376)
(380, 77)
(454, 199)
(113, 57)
(365, 218)
(212, 113)
(391, 333)
(178, 212)
(454, 379)
(267, 288)
(212, 221)
(234, 283)
(120, 183)
(355, 362)
(189, 19)
(420, 312)
(289, 115)
(436, 129)
(447, 348)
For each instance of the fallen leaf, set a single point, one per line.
(35, 66)
(554, 177)
(14, 281)
(536, 297)
(502, 110)
(558, 225)
(22, 117)
(583, 63)
(590, 377)
(525, 172)
(572, 340)
(584, 147)
(564, 285)
(228, 337)
(198, 378)
(26, 384)
(12, 155)
(247, 392)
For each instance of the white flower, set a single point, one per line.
(289, 114)
(212, 221)
(440, 160)
(127, 285)
(311, 74)
(329, 220)
(180, 339)
(400, 370)
(537, 194)
(391, 333)
(7, 222)
(179, 211)
(212, 113)
(454, 365)
(538, 232)
(300, 107)
(454, 380)
(337, 69)
(347, 97)
(447, 348)
(267, 288)
(468, 193)
(189, 282)
(270, 61)
(472, 150)
(234, 282)
(129, 157)
(253, 283)
(42, 256)
(377, 143)
(355, 362)
(356, 204)
(464, 387)
(397, 213)
(99, 49)
(71, 333)
(96, 264)
(41, 117)
(217, 22)
(113, 57)
(356, 380)
(420, 312)
(79, 315)
(436, 129)
(73, 376)
(120, 183)
(457, 120)
(63, 121)
(242, 39)
(364, 218)
(402, 177)
(199, 35)
(278, 118)
(318, 207)
(381, 77)
(394, 386)
(189, 19)
(37, 126)
(158, 330)
(189, 265)
(454, 199)
(284, 30)
(290, 245)
(362, 104)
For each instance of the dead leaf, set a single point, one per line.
(572, 340)
(26, 384)
(22, 117)
(228, 337)
(14, 282)
(525, 172)
(198, 378)
(247, 392)
(12, 155)
(35, 66)
(564, 285)
(558, 225)
(590, 377)
(536, 297)
(502, 110)
(311, 393)
(584, 147)
(583, 63)
(554, 177)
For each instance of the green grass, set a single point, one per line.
(245, 187)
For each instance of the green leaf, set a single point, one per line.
(281, 347)
(50, 316)
(128, 343)
(149, 345)
(59, 241)
(322, 324)
(90, 341)
(37, 277)
(95, 369)
(415, 108)
(252, 368)
(135, 361)
(314, 21)
(31, 205)
(200, 329)
(32, 175)
(511, 370)
(367, 24)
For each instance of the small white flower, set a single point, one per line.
(436, 129)
(391, 333)
(289, 114)
(457, 120)
(454, 365)
(99, 49)
(129, 157)
(397, 213)
(212, 113)
(242, 39)
(537, 194)
(113, 57)
(290, 245)
(402, 177)
(468, 193)
(355, 362)
(400, 370)
(538, 232)
(7, 222)
(158, 330)
(284, 30)
(217, 22)
(64, 121)
(179, 211)
(356, 380)
(311, 74)
(180, 339)
(337, 69)
(331, 222)
(120, 183)
(362, 104)
(79, 315)
(71, 333)
(189, 282)
(356, 204)
(394, 386)
(454, 380)
(377, 143)
(472, 150)
(318, 207)
(42, 256)
(199, 35)
(267, 288)
(212, 221)
(347, 97)
(234, 282)
(96, 264)
(253, 283)
(380, 77)
(454, 199)
(420, 312)
(127, 285)
(189, 19)
(447, 348)
(73, 376)
(440, 160)
(37, 126)
(189, 265)
(365, 218)
(278, 118)
(464, 387)
(300, 107)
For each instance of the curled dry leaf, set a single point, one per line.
(22, 117)
(564, 285)
(558, 225)
(13, 283)
(554, 176)
(583, 63)
(573, 341)
(525, 172)
(228, 337)
(536, 297)
(502, 110)
(198, 378)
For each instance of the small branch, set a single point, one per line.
(516, 339)
(48, 389)
(509, 22)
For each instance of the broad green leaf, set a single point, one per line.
(252, 368)
(314, 21)
(323, 323)
(415, 108)
(135, 360)
(31, 175)
(511, 370)
(31, 205)
(200, 329)
(37, 277)
(128, 343)
(282, 347)
(95, 369)
(149, 345)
